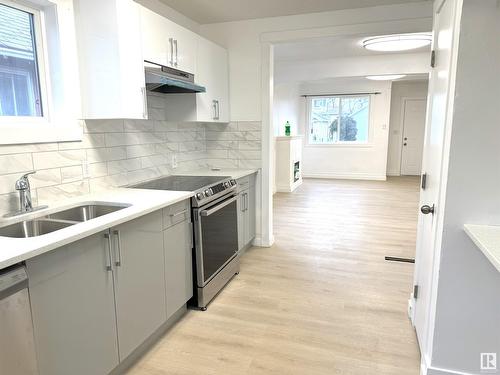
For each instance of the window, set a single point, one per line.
(338, 119)
(19, 76)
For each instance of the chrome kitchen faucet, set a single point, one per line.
(25, 201)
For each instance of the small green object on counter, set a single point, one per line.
(287, 129)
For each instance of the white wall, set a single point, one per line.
(468, 296)
(243, 41)
(287, 106)
(400, 90)
(351, 161)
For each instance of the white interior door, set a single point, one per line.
(413, 136)
(440, 104)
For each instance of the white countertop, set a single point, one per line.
(14, 250)
(234, 173)
(487, 239)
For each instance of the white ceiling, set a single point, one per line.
(213, 11)
(329, 48)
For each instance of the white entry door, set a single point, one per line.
(413, 136)
(441, 83)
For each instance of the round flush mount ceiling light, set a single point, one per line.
(386, 77)
(398, 42)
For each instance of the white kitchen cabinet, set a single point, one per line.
(72, 301)
(212, 72)
(111, 67)
(166, 43)
(246, 211)
(139, 276)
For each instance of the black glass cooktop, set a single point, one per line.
(180, 183)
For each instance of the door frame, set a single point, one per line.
(401, 126)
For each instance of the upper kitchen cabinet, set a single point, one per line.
(110, 59)
(166, 43)
(212, 72)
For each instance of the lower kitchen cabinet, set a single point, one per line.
(246, 211)
(139, 276)
(178, 265)
(72, 299)
(96, 300)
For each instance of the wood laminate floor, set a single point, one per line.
(322, 300)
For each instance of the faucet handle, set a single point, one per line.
(23, 183)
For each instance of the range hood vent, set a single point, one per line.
(160, 78)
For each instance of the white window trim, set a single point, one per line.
(340, 144)
(54, 37)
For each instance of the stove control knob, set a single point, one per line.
(200, 196)
(208, 192)
(233, 182)
(227, 184)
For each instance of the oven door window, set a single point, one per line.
(219, 233)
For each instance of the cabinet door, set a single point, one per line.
(73, 309)
(242, 220)
(111, 70)
(251, 202)
(178, 265)
(212, 72)
(137, 252)
(185, 44)
(155, 42)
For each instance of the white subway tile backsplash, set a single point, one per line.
(71, 174)
(106, 154)
(103, 126)
(47, 195)
(15, 163)
(57, 159)
(122, 152)
(27, 148)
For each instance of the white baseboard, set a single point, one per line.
(288, 188)
(346, 176)
(257, 241)
(425, 369)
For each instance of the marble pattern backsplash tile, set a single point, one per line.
(122, 152)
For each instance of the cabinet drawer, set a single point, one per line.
(176, 213)
(243, 183)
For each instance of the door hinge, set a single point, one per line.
(415, 291)
(433, 59)
(424, 181)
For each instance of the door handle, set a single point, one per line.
(426, 209)
(108, 264)
(118, 262)
(144, 103)
(214, 104)
(176, 53)
(171, 41)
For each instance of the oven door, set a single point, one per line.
(216, 237)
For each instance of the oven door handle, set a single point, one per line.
(218, 207)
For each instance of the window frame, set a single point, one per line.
(367, 143)
(40, 57)
(55, 43)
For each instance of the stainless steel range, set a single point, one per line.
(215, 228)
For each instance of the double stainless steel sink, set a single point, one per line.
(58, 220)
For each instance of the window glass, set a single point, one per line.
(338, 119)
(19, 81)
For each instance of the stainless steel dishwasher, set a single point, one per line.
(17, 347)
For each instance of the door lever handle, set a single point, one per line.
(425, 209)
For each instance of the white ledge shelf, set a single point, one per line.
(487, 239)
(288, 137)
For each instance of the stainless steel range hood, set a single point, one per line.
(160, 78)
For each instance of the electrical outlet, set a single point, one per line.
(86, 168)
(174, 161)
